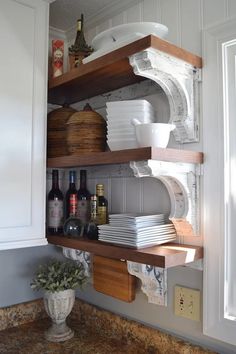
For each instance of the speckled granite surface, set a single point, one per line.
(21, 313)
(96, 331)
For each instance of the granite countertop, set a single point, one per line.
(29, 339)
(96, 331)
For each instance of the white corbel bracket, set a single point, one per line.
(180, 82)
(153, 279)
(182, 183)
(78, 256)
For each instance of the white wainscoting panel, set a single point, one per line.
(170, 16)
(134, 14)
(151, 10)
(191, 25)
(231, 7)
(213, 11)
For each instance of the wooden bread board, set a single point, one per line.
(110, 277)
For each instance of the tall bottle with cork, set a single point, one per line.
(83, 195)
(80, 49)
(71, 196)
(55, 207)
(91, 228)
(102, 205)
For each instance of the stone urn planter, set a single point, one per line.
(58, 306)
(59, 279)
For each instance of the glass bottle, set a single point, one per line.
(102, 208)
(91, 229)
(55, 207)
(83, 207)
(80, 42)
(80, 45)
(71, 196)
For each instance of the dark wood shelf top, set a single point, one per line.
(164, 256)
(125, 156)
(109, 72)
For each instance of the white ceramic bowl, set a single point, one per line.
(153, 134)
(126, 32)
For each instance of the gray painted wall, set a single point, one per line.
(17, 269)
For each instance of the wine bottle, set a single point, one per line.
(80, 46)
(102, 208)
(80, 42)
(71, 196)
(91, 229)
(55, 207)
(83, 195)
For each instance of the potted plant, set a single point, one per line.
(59, 279)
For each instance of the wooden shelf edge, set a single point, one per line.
(120, 53)
(115, 65)
(125, 156)
(164, 256)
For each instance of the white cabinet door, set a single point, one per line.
(219, 124)
(23, 92)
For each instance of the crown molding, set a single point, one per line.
(57, 33)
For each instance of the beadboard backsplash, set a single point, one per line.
(124, 192)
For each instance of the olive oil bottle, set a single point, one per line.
(102, 205)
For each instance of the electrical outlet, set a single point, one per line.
(187, 303)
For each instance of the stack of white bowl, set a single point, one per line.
(120, 114)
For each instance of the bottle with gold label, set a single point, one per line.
(71, 196)
(80, 49)
(91, 229)
(102, 205)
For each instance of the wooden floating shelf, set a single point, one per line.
(110, 71)
(125, 156)
(163, 256)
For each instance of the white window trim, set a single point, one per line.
(218, 227)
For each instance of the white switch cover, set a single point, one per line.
(187, 303)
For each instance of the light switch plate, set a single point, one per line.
(187, 303)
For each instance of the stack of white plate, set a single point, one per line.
(137, 231)
(120, 130)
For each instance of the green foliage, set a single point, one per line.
(56, 276)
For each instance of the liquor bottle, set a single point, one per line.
(83, 195)
(102, 208)
(91, 229)
(55, 207)
(71, 196)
